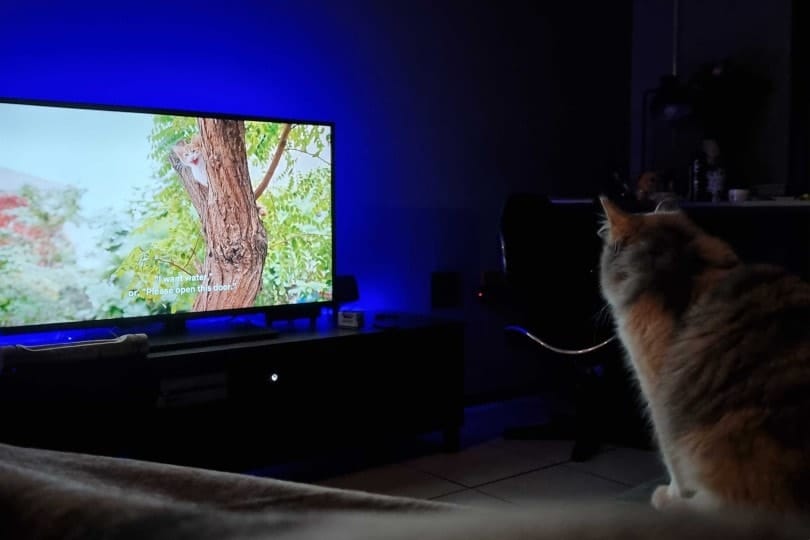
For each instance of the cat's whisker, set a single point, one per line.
(603, 316)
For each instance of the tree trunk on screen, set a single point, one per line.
(234, 235)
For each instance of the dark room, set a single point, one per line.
(374, 269)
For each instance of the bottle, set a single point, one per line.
(714, 172)
(716, 181)
(697, 180)
(707, 175)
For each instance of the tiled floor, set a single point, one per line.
(492, 471)
(517, 472)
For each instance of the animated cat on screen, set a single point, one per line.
(191, 155)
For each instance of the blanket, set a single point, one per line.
(62, 495)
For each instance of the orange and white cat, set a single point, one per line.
(721, 352)
(191, 155)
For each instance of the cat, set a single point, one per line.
(721, 353)
(190, 154)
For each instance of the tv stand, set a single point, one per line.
(241, 405)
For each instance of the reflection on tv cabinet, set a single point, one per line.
(222, 334)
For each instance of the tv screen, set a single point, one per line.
(109, 214)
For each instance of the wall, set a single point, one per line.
(751, 32)
(441, 111)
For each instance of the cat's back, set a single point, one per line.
(750, 329)
(758, 283)
(752, 309)
(744, 346)
(737, 387)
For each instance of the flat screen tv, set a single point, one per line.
(113, 215)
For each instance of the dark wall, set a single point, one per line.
(591, 78)
(800, 99)
(754, 34)
(441, 110)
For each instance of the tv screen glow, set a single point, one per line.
(113, 214)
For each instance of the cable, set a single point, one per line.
(521, 330)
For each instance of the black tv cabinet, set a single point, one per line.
(240, 405)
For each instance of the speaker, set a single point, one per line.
(345, 289)
(446, 290)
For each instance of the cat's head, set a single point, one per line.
(190, 153)
(662, 253)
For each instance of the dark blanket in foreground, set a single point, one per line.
(47, 494)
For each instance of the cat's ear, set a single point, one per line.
(178, 148)
(619, 223)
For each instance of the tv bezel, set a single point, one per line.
(175, 320)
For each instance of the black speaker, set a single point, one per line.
(345, 290)
(446, 290)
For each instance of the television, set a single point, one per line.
(117, 217)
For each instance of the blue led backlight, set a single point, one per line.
(52, 337)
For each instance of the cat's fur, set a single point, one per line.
(192, 156)
(721, 350)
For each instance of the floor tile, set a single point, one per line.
(488, 421)
(476, 465)
(559, 483)
(543, 453)
(626, 465)
(394, 480)
(472, 497)
(493, 460)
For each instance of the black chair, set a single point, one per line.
(548, 292)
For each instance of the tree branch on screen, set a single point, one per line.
(316, 156)
(191, 258)
(280, 243)
(271, 170)
(175, 265)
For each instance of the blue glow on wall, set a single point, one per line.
(308, 60)
(441, 110)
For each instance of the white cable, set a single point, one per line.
(536, 339)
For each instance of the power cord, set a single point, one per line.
(573, 352)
